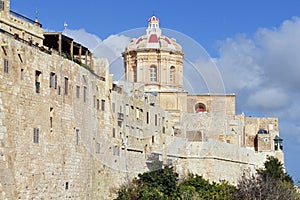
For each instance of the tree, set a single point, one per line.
(268, 183)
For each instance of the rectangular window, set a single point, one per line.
(97, 147)
(59, 90)
(127, 110)
(66, 85)
(36, 135)
(77, 136)
(84, 94)
(155, 119)
(153, 75)
(51, 117)
(22, 74)
(152, 139)
(114, 107)
(147, 117)
(102, 105)
(37, 81)
(2, 5)
(114, 132)
(53, 80)
(98, 104)
(116, 151)
(5, 66)
(94, 101)
(77, 91)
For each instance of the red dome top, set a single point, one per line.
(153, 18)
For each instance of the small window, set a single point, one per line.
(94, 101)
(78, 91)
(98, 104)
(53, 80)
(97, 147)
(77, 136)
(5, 66)
(102, 105)
(67, 185)
(51, 117)
(152, 139)
(153, 73)
(66, 85)
(172, 74)
(36, 135)
(200, 107)
(84, 94)
(147, 117)
(37, 81)
(114, 107)
(22, 74)
(59, 90)
(2, 5)
(116, 151)
(114, 132)
(155, 119)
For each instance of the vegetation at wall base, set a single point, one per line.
(163, 184)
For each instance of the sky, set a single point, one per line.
(253, 44)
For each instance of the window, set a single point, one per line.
(66, 85)
(84, 94)
(152, 139)
(155, 119)
(114, 132)
(116, 151)
(114, 107)
(59, 90)
(22, 74)
(77, 136)
(153, 73)
(37, 81)
(2, 5)
(51, 117)
(67, 185)
(5, 66)
(94, 101)
(200, 107)
(134, 69)
(36, 135)
(53, 80)
(102, 105)
(97, 147)
(98, 104)
(147, 117)
(172, 74)
(78, 91)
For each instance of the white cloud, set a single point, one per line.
(268, 98)
(264, 71)
(86, 39)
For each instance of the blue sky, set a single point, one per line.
(255, 45)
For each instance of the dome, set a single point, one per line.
(153, 39)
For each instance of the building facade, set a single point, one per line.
(68, 131)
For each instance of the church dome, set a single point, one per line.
(153, 39)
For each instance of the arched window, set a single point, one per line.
(200, 107)
(172, 74)
(153, 73)
(134, 74)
